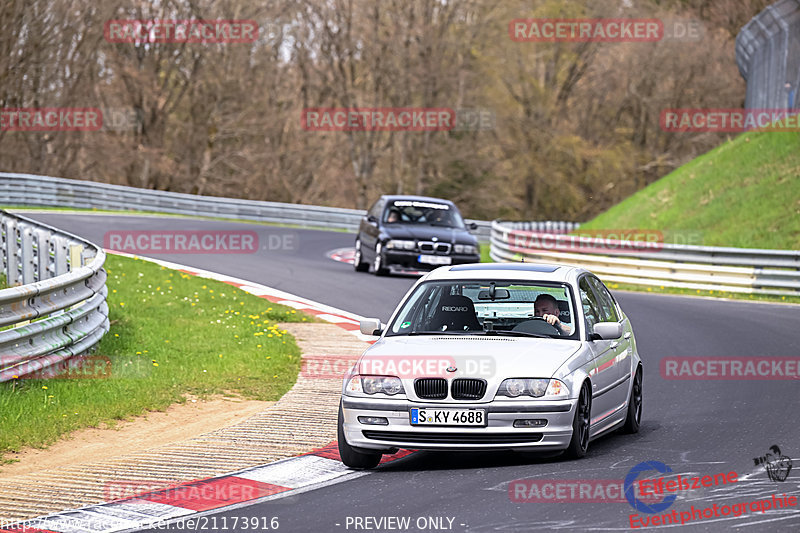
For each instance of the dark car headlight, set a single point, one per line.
(401, 245)
(465, 249)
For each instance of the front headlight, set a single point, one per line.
(401, 245)
(465, 249)
(552, 389)
(390, 385)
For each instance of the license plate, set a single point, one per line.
(448, 417)
(434, 259)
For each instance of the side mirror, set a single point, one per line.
(371, 219)
(608, 330)
(472, 226)
(370, 326)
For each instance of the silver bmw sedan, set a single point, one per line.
(493, 356)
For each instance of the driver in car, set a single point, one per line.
(546, 307)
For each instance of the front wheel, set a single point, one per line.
(580, 425)
(634, 418)
(353, 457)
(377, 265)
(358, 259)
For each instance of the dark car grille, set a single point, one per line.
(453, 438)
(434, 247)
(468, 389)
(431, 388)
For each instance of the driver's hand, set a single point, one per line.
(553, 320)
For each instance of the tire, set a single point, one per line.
(355, 457)
(377, 264)
(581, 424)
(634, 418)
(358, 264)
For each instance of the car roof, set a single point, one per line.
(507, 271)
(393, 197)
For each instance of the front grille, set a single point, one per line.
(434, 247)
(468, 389)
(453, 438)
(431, 388)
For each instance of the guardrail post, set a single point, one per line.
(60, 260)
(27, 257)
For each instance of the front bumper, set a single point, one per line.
(405, 260)
(499, 434)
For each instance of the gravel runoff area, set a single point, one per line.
(279, 431)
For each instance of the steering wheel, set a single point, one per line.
(536, 329)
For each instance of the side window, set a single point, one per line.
(590, 307)
(376, 209)
(608, 311)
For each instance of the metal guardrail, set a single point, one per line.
(646, 263)
(45, 191)
(768, 55)
(56, 299)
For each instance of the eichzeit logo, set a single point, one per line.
(606, 30)
(181, 31)
(729, 120)
(51, 119)
(378, 119)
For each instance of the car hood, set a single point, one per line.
(473, 356)
(427, 233)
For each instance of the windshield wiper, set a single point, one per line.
(445, 332)
(517, 334)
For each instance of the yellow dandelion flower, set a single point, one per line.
(258, 346)
(44, 387)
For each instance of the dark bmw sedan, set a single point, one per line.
(413, 234)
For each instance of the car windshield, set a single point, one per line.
(422, 212)
(492, 307)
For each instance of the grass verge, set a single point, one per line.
(744, 193)
(172, 335)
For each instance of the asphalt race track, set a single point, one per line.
(695, 427)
